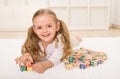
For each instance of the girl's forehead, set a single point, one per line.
(43, 19)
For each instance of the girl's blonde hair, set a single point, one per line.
(31, 44)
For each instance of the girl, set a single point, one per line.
(47, 43)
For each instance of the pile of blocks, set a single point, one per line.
(26, 67)
(84, 58)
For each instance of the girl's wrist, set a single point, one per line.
(48, 64)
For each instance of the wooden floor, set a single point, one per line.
(112, 32)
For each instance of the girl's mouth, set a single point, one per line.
(46, 35)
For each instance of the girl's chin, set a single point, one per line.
(46, 40)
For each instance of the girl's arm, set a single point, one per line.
(53, 60)
(40, 67)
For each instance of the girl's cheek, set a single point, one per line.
(39, 31)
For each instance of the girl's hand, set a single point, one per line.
(24, 58)
(41, 67)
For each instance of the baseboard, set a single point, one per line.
(116, 26)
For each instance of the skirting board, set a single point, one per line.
(116, 26)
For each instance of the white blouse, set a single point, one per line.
(54, 54)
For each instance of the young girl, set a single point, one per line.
(47, 43)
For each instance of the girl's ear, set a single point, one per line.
(58, 26)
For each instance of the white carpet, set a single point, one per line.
(11, 48)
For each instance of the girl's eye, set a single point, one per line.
(49, 26)
(39, 27)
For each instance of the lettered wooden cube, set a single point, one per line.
(28, 64)
(23, 68)
(29, 68)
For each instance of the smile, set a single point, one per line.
(46, 35)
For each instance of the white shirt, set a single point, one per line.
(54, 54)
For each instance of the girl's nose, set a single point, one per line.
(44, 29)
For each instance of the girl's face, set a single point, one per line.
(45, 27)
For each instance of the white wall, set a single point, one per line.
(116, 18)
(112, 11)
(115, 13)
(7, 9)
